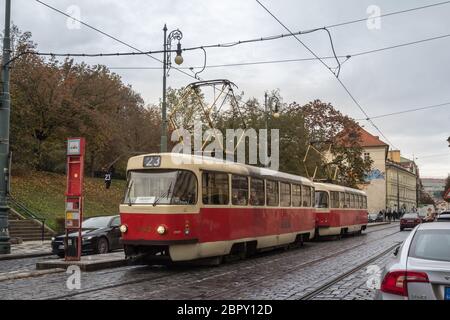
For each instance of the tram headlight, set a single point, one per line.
(123, 228)
(161, 229)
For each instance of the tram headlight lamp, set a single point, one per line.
(123, 228)
(161, 230)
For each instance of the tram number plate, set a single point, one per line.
(152, 161)
(447, 293)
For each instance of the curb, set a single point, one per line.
(23, 275)
(25, 255)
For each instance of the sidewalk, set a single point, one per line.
(28, 249)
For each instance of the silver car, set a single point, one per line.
(421, 267)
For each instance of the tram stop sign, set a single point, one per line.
(74, 196)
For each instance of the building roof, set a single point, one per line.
(369, 140)
(365, 139)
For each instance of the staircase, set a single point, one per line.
(26, 225)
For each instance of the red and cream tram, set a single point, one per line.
(339, 210)
(181, 207)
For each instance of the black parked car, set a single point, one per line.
(99, 235)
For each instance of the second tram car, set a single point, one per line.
(181, 207)
(339, 210)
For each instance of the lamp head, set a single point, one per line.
(179, 57)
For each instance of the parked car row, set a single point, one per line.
(375, 217)
(420, 268)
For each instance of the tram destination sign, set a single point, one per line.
(152, 161)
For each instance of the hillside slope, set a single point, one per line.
(43, 193)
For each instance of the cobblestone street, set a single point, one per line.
(277, 274)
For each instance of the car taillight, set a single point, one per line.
(395, 282)
(402, 221)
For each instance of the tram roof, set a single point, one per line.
(186, 161)
(334, 187)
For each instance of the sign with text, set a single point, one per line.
(74, 197)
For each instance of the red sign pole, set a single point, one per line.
(74, 197)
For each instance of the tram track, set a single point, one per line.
(299, 266)
(171, 273)
(322, 288)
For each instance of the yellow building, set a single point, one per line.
(401, 182)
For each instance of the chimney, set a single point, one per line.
(394, 156)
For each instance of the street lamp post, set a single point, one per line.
(174, 35)
(276, 114)
(5, 245)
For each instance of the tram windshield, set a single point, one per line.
(321, 199)
(174, 187)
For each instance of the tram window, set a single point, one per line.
(239, 190)
(272, 193)
(357, 201)
(313, 192)
(215, 188)
(352, 200)
(158, 186)
(347, 200)
(364, 202)
(296, 195)
(334, 195)
(285, 194)
(257, 192)
(306, 193)
(341, 200)
(321, 200)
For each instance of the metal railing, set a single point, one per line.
(25, 211)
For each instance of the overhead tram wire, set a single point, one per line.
(357, 54)
(338, 79)
(388, 14)
(446, 104)
(268, 38)
(110, 36)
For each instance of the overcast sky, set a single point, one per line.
(383, 82)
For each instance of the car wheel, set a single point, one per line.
(102, 246)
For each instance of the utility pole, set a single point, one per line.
(164, 110)
(398, 193)
(5, 245)
(173, 35)
(265, 110)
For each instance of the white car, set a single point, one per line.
(421, 267)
